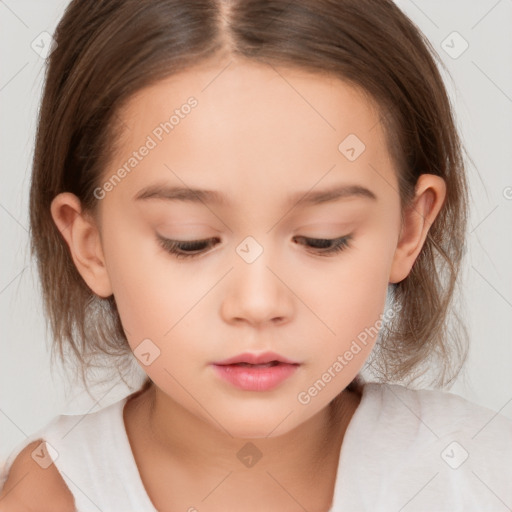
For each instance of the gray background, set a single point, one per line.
(481, 90)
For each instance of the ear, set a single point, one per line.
(83, 238)
(430, 193)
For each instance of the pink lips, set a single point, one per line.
(256, 372)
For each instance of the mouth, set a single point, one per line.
(262, 365)
(251, 372)
(252, 359)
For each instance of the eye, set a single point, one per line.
(327, 246)
(185, 249)
(193, 248)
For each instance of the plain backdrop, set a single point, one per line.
(481, 91)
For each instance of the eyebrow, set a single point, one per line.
(307, 198)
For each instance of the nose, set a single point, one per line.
(258, 292)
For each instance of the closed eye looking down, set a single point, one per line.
(192, 248)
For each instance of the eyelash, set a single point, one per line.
(175, 248)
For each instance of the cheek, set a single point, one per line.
(350, 300)
(352, 293)
(367, 287)
(151, 294)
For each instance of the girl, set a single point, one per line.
(254, 200)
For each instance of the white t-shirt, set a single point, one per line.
(404, 450)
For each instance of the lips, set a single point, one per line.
(248, 358)
(256, 372)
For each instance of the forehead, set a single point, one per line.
(254, 128)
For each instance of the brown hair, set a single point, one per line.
(107, 50)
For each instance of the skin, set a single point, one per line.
(257, 140)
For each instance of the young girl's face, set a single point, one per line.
(260, 139)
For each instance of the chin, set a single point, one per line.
(264, 430)
(260, 423)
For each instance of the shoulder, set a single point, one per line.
(33, 485)
(442, 408)
(434, 417)
(49, 468)
(436, 442)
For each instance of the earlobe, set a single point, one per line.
(83, 239)
(429, 199)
